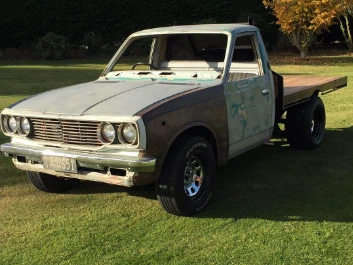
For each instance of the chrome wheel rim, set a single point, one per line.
(316, 126)
(193, 176)
(312, 126)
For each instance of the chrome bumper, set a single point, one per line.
(131, 163)
(100, 163)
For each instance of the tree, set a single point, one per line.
(345, 24)
(302, 20)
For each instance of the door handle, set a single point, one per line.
(265, 92)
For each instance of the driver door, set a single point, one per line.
(249, 97)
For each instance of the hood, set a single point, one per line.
(103, 97)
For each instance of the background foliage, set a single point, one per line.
(95, 27)
(26, 21)
(303, 20)
(51, 46)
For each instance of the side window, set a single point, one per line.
(245, 60)
(244, 49)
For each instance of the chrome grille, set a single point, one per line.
(80, 132)
(66, 131)
(48, 130)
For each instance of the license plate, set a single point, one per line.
(60, 163)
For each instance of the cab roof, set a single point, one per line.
(204, 28)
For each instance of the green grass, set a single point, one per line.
(272, 205)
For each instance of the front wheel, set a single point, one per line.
(50, 183)
(305, 124)
(184, 187)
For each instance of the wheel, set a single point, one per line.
(50, 183)
(148, 64)
(184, 186)
(305, 125)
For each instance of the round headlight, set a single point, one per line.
(24, 126)
(11, 124)
(128, 133)
(106, 133)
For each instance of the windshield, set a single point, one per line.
(171, 56)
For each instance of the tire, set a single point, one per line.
(305, 125)
(184, 186)
(50, 183)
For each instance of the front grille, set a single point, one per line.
(66, 131)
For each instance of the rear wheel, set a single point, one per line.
(184, 187)
(305, 125)
(50, 183)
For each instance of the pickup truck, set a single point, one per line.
(171, 105)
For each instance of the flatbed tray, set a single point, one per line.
(298, 88)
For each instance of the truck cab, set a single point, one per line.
(231, 57)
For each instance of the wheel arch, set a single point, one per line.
(316, 93)
(299, 124)
(198, 129)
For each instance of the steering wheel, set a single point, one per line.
(148, 64)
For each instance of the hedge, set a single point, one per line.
(24, 22)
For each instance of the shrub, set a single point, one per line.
(24, 52)
(92, 43)
(283, 44)
(111, 47)
(52, 46)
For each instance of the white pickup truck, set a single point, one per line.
(172, 105)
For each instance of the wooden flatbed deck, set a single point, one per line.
(298, 88)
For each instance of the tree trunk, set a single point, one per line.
(303, 50)
(346, 31)
(349, 41)
(302, 41)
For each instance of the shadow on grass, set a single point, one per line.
(90, 187)
(277, 183)
(273, 183)
(283, 184)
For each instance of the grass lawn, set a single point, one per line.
(272, 205)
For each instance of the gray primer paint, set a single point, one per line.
(120, 98)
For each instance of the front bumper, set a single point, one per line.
(94, 166)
